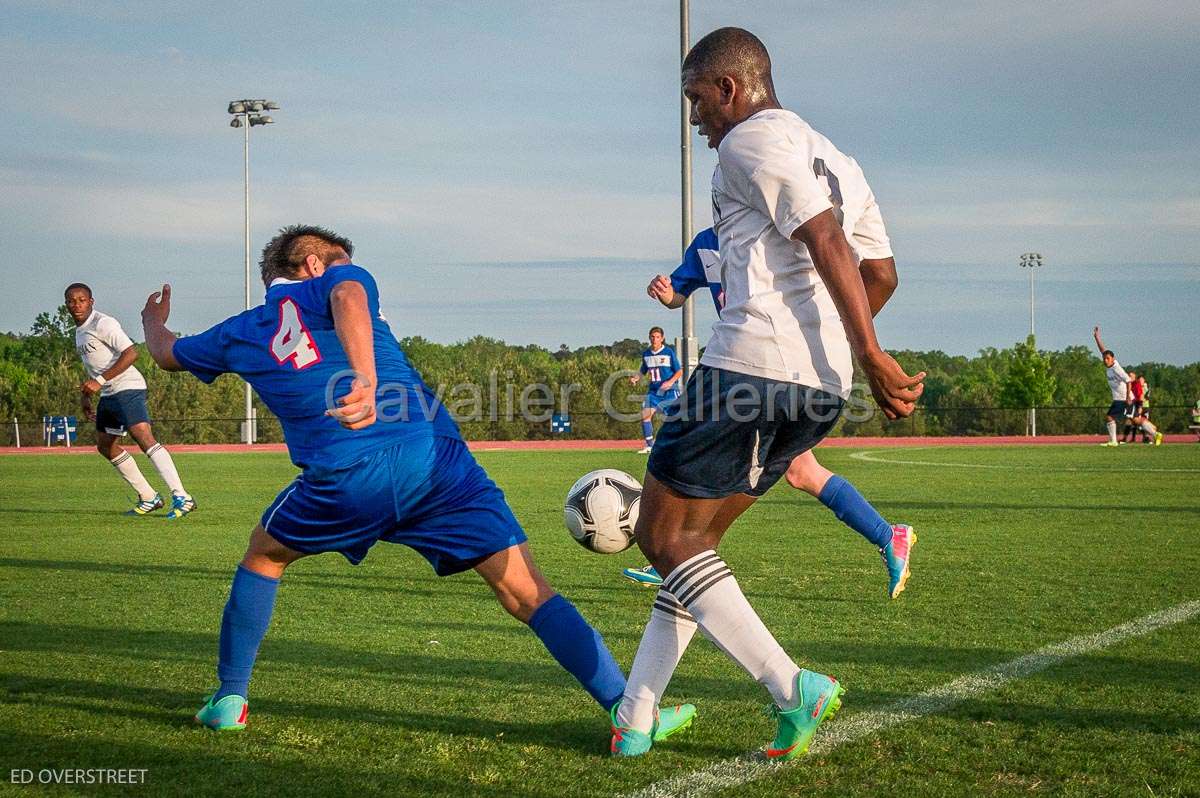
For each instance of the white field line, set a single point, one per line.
(752, 766)
(872, 456)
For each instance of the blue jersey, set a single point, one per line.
(659, 367)
(288, 350)
(701, 267)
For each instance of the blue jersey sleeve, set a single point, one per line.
(315, 296)
(689, 276)
(644, 367)
(204, 354)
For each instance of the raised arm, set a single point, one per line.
(1096, 335)
(352, 322)
(159, 340)
(894, 390)
(879, 280)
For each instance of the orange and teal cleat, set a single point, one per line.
(228, 714)
(896, 556)
(820, 699)
(627, 741)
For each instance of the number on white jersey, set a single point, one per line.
(292, 341)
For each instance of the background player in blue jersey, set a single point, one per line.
(662, 370)
(701, 268)
(382, 461)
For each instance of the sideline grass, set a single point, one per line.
(383, 679)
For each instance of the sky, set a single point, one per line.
(511, 169)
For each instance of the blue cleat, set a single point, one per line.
(228, 714)
(181, 506)
(146, 506)
(646, 577)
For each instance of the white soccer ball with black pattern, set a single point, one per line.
(602, 510)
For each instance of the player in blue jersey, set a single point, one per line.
(662, 371)
(379, 459)
(701, 268)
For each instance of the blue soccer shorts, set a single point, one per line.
(735, 433)
(660, 401)
(427, 493)
(119, 411)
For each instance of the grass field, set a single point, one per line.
(384, 680)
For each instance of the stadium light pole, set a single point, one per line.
(247, 114)
(1031, 261)
(685, 186)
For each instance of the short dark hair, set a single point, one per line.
(731, 51)
(77, 286)
(285, 253)
(1109, 353)
(658, 330)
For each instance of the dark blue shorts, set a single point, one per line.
(657, 401)
(117, 412)
(734, 433)
(427, 493)
(1116, 410)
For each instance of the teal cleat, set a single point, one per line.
(820, 699)
(896, 556)
(181, 506)
(228, 714)
(146, 506)
(673, 720)
(667, 722)
(646, 577)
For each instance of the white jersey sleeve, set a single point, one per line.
(776, 180)
(869, 237)
(111, 332)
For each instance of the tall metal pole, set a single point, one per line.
(685, 186)
(1031, 260)
(248, 436)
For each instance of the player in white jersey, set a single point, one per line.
(1122, 396)
(108, 356)
(771, 383)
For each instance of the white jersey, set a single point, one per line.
(100, 342)
(1118, 381)
(773, 174)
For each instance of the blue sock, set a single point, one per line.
(855, 512)
(580, 649)
(247, 615)
(648, 432)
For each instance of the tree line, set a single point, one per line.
(482, 380)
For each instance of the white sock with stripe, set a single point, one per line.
(161, 458)
(127, 467)
(667, 635)
(1112, 431)
(706, 587)
(1149, 428)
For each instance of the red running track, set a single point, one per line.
(556, 445)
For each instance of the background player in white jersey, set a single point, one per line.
(771, 383)
(1122, 395)
(108, 356)
(701, 268)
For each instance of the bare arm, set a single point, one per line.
(159, 340)
(894, 390)
(127, 359)
(1096, 335)
(352, 322)
(879, 280)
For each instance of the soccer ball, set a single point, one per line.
(602, 510)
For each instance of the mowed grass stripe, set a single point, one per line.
(753, 766)
(876, 456)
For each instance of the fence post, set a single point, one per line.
(17, 431)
